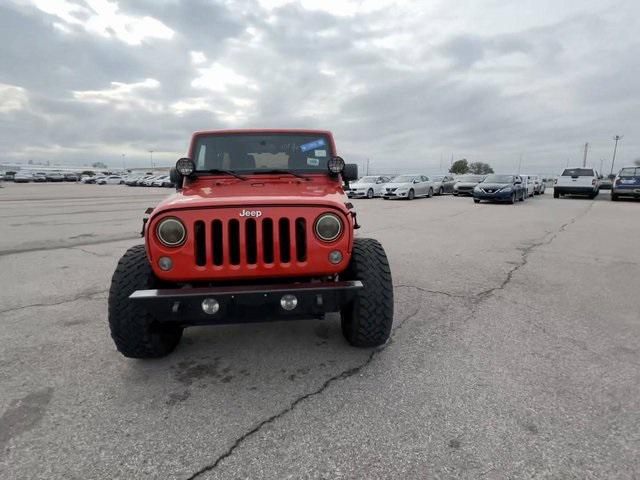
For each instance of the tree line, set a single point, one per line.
(462, 166)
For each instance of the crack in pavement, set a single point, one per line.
(437, 292)
(81, 296)
(525, 251)
(98, 241)
(336, 378)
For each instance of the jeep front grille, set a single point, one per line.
(250, 241)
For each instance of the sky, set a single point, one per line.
(407, 85)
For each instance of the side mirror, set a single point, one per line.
(175, 178)
(350, 172)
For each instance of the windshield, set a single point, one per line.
(498, 179)
(630, 172)
(256, 152)
(368, 180)
(470, 178)
(403, 178)
(578, 172)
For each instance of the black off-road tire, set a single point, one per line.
(476, 200)
(614, 197)
(366, 322)
(137, 333)
(556, 194)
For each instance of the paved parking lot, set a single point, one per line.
(514, 353)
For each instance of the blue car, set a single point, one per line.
(500, 188)
(626, 183)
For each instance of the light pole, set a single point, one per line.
(615, 149)
(151, 158)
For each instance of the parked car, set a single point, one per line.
(606, 183)
(538, 184)
(466, 183)
(54, 177)
(368, 187)
(500, 188)
(443, 184)
(39, 177)
(577, 181)
(529, 185)
(132, 180)
(626, 183)
(9, 176)
(157, 182)
(70, 177)
(110, 180)
(23, 177)
(141, 180)
(408, 187)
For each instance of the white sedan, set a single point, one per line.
(408, 187)
(367, 187)
(110, 180)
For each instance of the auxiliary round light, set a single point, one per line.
(335, 256)
(185, 166)
(210, 306)
(328, 227)
(171, 232)
(165, 263)
(288, 302)
(335, 164)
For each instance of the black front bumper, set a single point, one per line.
(253, 303)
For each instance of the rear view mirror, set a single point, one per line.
(350, 172)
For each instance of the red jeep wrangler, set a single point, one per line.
(259, 229)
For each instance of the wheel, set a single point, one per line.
(385, 198)
(556, 194)
(440, 191)
(430, 193)
(136, 333)
(411, 195)
(614, 197)
(512, 200)
(370, 193)
(476, 200)
(594, 195)
(522, 197)
(366, 322)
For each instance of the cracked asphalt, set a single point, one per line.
(514, 353)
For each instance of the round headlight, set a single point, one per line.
(185, 167)
(335, 164)
(171, 232)
(328, 227)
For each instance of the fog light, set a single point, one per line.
(288, 301)
(165, 263)
(210, 306)
(335, 256)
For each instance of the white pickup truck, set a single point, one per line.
(577, 181)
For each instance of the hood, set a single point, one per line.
(494, 186)
(397, 185)
(257, 190)
(362, 184)
(466, 184)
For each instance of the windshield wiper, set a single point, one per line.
(226, 172)
(277, 171)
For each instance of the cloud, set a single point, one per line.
(401, 83)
